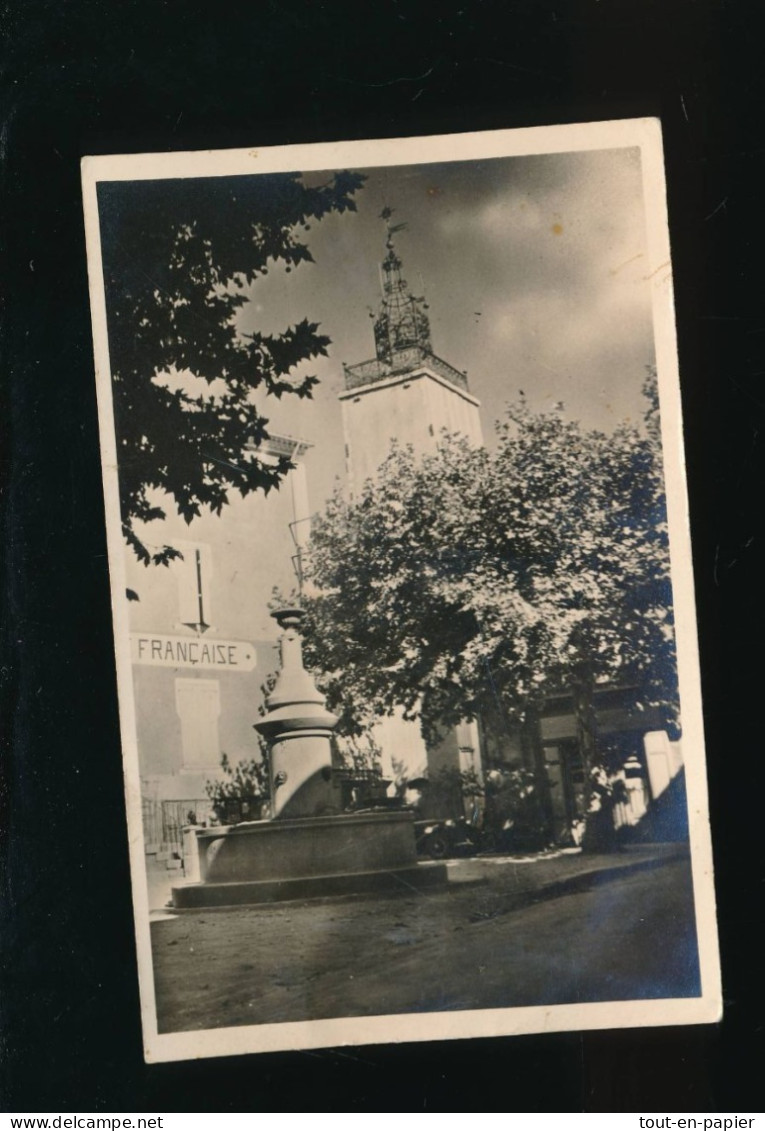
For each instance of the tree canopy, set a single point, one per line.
(471, 582)
(179, 256)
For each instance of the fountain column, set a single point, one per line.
(298, 729)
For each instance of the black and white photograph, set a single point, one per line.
(402, 589)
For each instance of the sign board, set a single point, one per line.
(162, 651)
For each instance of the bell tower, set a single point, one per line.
(408, 394)
(405, 392)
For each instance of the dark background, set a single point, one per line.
(84, 77)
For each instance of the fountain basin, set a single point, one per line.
(308, 857)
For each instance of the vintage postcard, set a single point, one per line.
(403, 603)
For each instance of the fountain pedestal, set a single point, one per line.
(298, 728)
(307, 849)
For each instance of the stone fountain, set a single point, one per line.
(308, 847)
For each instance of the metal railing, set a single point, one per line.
(370, 372)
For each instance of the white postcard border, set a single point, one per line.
(642, 133)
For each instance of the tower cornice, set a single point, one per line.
(404, 377)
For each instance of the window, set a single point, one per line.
(193, 573)
(197, 702)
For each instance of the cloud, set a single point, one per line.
(560, 232)
(503, 324)
(534, 270)
(499, 218)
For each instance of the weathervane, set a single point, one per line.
(391, 229)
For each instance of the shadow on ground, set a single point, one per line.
(618, 932)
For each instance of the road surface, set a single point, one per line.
(625, 938)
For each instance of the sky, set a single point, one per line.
(536, 276)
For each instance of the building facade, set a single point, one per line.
(202, 645)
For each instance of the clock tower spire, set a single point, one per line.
(405, 392)
(401, 323)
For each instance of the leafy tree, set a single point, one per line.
(359, 753)
(513, 816)
(243, 785)
(178, 257)
(469, 583)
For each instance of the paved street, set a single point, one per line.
(624, 935)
